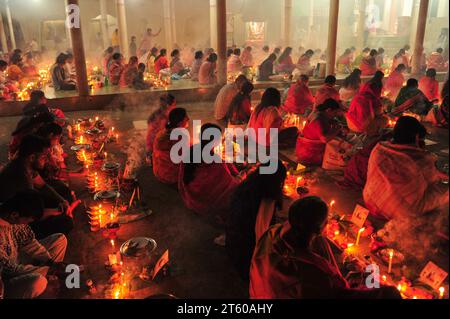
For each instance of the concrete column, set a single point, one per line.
(393, 17)
(4, 42)
(420, 35)
(68, 34)
(213, 23)
(167, 25)
(79, 56)
(123, 31)
(361, 24)
(414, 19)
(173, 23)
(11, 27)
(332, 36)
(222, 42)
(104, 23)
(287, 22)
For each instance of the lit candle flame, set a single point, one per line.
(441, 292)
(332, 203)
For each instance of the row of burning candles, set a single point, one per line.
(353, 247)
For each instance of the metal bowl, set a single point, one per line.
(107, 195)
(137, 253)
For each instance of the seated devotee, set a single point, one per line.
(285, 266)
(247, 57)
(399, 58)
(407, 58)
(38, 104)
(164, 168)
(176, 66)
(350, 86)
(226, 95)
(25, 261)
(266, 68)
(207, 188)
(52, 132)
(133, 46)
(139, 82)
(442, 117)
(14, 70)
(29, 68)
(327, 91)
(21, 174)
(240, 108)
(158, 120)
(69, 68)
(394, 82)
(267, 116)
(365, 114)
(300, 98)
(116, 69)
(129, 73)
(253, 208)
(368, 64)
(344, 62)
(304, 62)
(262, 55)
(161, 62)
(198, 60)
(380, 59)
(207, 73)
(234, 64)
(321, 127)
(355, 173)
(150, 63)
(61, 80)
(284, 63)
(412, 186)
(430, 86)
(107, 60)
(358, 59)
(437, 61)
(411, 99)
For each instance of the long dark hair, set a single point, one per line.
(353, 80)
(176, 116)
(190, 167)
(271, 97)
(245, 203)
(236, 103)
(162, 53)
(287, 52)
(164, 102)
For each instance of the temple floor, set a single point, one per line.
(201, 268)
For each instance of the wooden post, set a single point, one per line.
(4, 42)
(173, 21)
(104, 23)
(167, 25)
(213, 23)
(11, 26)
(123, 32)
(287, 22)
(222, 42)
(332, 36)
(79, 56)
(414, 19)
(420, 35)
(361, 24)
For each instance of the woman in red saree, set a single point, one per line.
(365, 114)
(394, 82)
(266, 116)
(344, 62)
(327, 91)
(429, 85)
(319, 130)
(351, 86)
(157, 121)
(129, 73)
(161, 62)
(284, 62)
(304, 62)
(368, 65)
(399, 58)
(207, 188)
(299, 97)
(207, 73)
(436, 61)
(164, 169)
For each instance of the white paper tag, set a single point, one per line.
(359, 216)
(432, 275)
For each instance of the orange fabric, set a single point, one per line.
(161, 64)
(409, 181)
(394, 84)
(299, 99)
(163, 168)
(210, 190)
(326, 92)
(364, 107)
(15, 73)
(437, 61)
(429, 87)
(281, 271)
(267, 118)
(368, 66)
